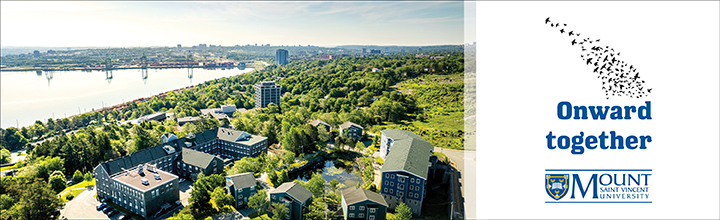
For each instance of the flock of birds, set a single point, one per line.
(618, 78)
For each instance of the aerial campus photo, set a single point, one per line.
(234, 110)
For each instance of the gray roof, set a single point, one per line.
(348, 124)
(236, 136)
(140, 157)
(354, 195)
(317, 122)
(295, 190)
(409, 152)
(196, 158)
(243, 180)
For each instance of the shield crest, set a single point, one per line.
(556, 185)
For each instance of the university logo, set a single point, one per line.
(556, 185)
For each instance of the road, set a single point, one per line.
(83, 207)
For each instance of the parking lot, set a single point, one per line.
(83, 207)
(185, 188)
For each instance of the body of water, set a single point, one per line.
(29, 96)
(344, 171)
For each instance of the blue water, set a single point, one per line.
(28, 96)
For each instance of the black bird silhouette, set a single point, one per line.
(616, 75)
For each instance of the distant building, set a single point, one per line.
(267, 92)
(295, 196)
(352, 130)
(326, 56)
(189, 119)
(36, 53)
(281, 57)
(375, 51)
(241, 187)
(359, 203)
(225, 111)
(419, 49)
(408, 159)
(320, 122)
(50, 52)
(364, 50)
(179, 46)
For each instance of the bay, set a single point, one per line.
(29, 96)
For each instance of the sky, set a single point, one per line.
(128, 24)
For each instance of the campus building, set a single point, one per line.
(281, 57)
(295, 196)
(267, 92)
(241, 187)
(321, 122)
(359, 203)
(408, 159)
(352, 130)
(123, 180)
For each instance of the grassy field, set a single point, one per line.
(453, 121)
(77, 188)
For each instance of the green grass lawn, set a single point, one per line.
(452, 122)
(77, 188)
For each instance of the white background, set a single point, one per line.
(525, 68)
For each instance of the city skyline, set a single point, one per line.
(139, 24)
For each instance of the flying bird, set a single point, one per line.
(547, 20)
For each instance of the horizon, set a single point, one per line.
(153, 24)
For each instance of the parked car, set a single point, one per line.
(111, 213)
(107, 209)
(101, 206)
(181, 180)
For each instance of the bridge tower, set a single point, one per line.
(108, 69)
(143, 68)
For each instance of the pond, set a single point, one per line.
(345, 171)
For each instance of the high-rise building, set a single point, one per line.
(281, 57)
(267, 92)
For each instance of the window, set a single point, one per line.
(273, 197)
(362, 208)
(402, 179)
(401, 186)
(387, 175)
(372, 210)
(351, 215)
(400, 194)
(412, 180)
(361, 215)
(392, 176)
(391, 191)
(372, 217)
(384, 189)
(392, 183)
(351, 207)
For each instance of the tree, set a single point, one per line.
(334, 184)
(77, 176)
(37, 201)
(5, 156)
(402, 212)
(259, 201)
(221, 201)
(273, 178)
(283, 177)
(316, 185)
(142, 139)
(288, 157)
(280, 212)
(360, 146)
(88, 176)
(316, 210)
(13, 139)
(57, 182)
(201, 194)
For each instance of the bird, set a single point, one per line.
(573, 42)
(562, 31)
(570, 33)
(547, 20)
